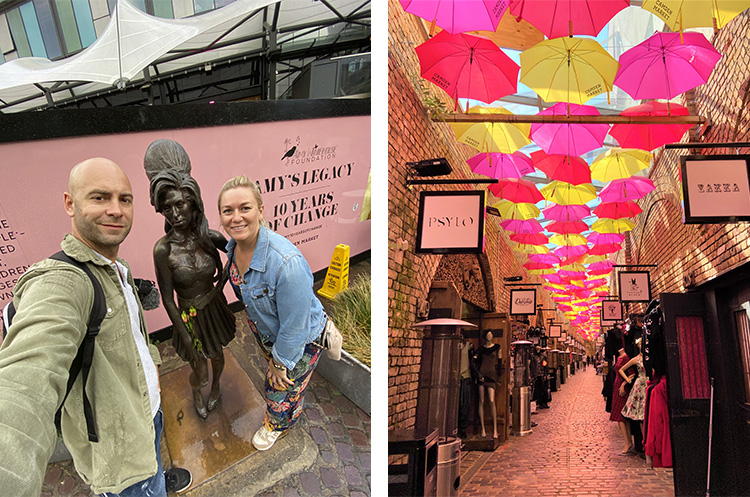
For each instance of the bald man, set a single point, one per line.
(53, 301)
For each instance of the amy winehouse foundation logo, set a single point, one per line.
(298, 153)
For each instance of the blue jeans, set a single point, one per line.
(155, 485)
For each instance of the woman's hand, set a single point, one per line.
(622, 389)
(277, 377)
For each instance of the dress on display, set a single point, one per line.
(487, 357)
(635, 405)
(618, 402)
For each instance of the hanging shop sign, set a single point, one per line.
(634, 286)
(611, 310)
(604, 323)
(451, 222)
(555, 330)
(564, 337)
(715, 188)
(522, 302)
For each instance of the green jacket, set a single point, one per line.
(53, 301)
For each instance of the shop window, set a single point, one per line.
(743, 331)
(693, 364)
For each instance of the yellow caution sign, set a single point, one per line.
(337, 277)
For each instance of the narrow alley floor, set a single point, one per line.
(573, 451)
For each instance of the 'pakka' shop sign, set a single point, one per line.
(715, 188)
(450, 222)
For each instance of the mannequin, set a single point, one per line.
(468, 374)
(487, 357)
(619, 397)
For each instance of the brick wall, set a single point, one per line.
(413, 136)
(706, 250)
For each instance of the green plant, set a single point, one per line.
(352, 315)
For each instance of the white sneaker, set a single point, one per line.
(264, 439)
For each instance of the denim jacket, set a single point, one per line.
(54, 299)
(278, 296)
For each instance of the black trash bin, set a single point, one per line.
(416, 473)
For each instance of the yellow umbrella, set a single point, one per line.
(509, 210)
(558, 287)
(619, 163)
(683, 14)
(529, 249)
(563, 193)
(569, 239)
(590, 259)
(541, 271)
(568, 69)
(613, 225)
(573, 267)
(503, 138)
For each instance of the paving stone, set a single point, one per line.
(353, 476)
(336, 430)
(291, 492)
(359, 438)
(313, 415)
(573, 451)
(54, 475)
(330, 478)
(351, 419)
(365, 460)
(327, 456)
(345, 452)
(329, 409)
(310, 483)
(319, 436)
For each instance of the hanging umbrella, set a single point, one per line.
(557, 18)
(544, 258)
(566, 213)
(537, 265)
(541, 271)
(570, 261)
(602, 271)
(529, 238)
(613, 225)
(619, 163)
(572, 274)
(604, 248)
(681, 14)
(567, 251)
(663, 66)
(568, 69)
(617, 210)
(467, 66)
(622, 190)
(555, 279)
(606, 264)
(573, 170)
(576, 266)
(649, 136)
(527, 248)
(593, 259)
(458, 16)
(521, 225)
(568, 239)
(605, 238)
(569, 139)
(516, 190)
(567, 194)
(564, 227)
(492, 137)
(510, 210)
(496, 165)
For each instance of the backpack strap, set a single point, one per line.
(85, 355)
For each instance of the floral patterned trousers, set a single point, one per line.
(284, 406)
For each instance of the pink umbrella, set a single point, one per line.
(605, 238)
(573, 274)
(497, 165)
(521, 225)
(617, 210)
(650, 136)
(566, 212)
(600, 271)
(466, 66)
(544, 258)
(553, 278)
(458, 16)
(605, 248)
(569, 169)
(622, 190)
(564, 227)
(569, 139)
(536, 265)
(664, 66)
(529, 238)
(518, 191)
(567, 251)
(557, 18)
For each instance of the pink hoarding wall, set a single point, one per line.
(312, 173)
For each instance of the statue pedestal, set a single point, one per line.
(207, 448)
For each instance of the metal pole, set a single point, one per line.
(710, 434)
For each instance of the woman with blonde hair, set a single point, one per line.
(272, 278)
